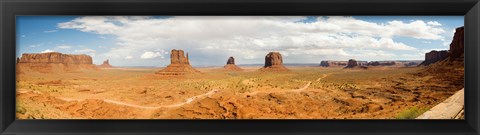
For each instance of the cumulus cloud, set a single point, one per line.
(151, 55)
(47, 51)
(249, 38)
(87, 51)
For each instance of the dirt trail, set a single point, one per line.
(189, 100)
(294, 90)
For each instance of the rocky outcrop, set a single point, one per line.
(327, 63)
(457, 45)
(434, 56)
(454, 56)
(179, 64)
(231, 60)
(106, 64)
(381, 63)
(352, 63)
(230, 66)
(53, 62)
(274, 62)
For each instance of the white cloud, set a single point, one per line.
(434, 23)
(47, 51)
(87, 51)
(64, 47)
(50, 31)
(151, 55)
(250, 38)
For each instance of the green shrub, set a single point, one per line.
(411, 113)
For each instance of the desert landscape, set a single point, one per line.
(240, 67)
(63, 86)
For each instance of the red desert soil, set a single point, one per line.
(304, 92)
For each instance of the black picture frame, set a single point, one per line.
(11, 8)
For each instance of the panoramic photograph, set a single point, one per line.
(240, 67)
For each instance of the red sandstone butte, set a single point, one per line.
(179, 64)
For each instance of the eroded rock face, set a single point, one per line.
(178, 57)
(274, 62)
(327, 63)
(434, 56)
(230, 66)
(231, 60)
(179, 64)
(55, 57)
(457, 45)
(53, 62)
(106, 64)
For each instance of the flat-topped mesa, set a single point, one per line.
(274, 62)
(381, 63)
(231, 65)
(434, 56)
(53, 62)
(179, 64)
(55, 57)
(106, 64)
(327, 63)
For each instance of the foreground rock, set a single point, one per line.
(230, 66)
(179, 64)
(106, 64)
(53, 62)
(274, 62)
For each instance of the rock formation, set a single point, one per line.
(106, 64)
(327, 63)
(55, 57)
(381, 63)
(273, 62)
(179, 64)
(434, 56)
(453, 57)
(231, 65)
(53, 62)
(352, 63)
(457, 45)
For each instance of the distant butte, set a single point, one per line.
(230, 66)
(106, 64)
(179, 64)
(273, 62)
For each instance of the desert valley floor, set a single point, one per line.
(301, 93)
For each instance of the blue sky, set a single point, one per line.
(147, 41)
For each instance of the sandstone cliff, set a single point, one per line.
(53, 62)
(434, 56)
(179, 64)
(274, 62)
